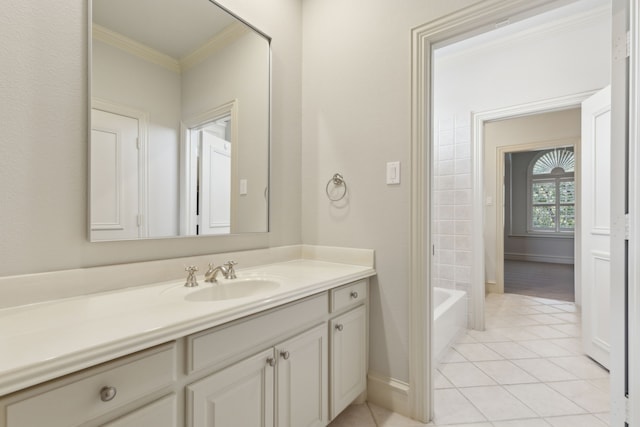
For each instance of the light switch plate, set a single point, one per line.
(393, 172)
(243, 187)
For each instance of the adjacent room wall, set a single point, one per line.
(43, 154)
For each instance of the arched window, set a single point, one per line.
(552, 191)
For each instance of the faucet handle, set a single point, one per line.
(231, 272)
(191, 276)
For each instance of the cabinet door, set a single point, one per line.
(240, 395)
(348, 358)
(302, 373)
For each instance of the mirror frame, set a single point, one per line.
(91, 101)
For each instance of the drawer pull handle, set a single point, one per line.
(339, 327)
(107, 393)
(354, 295)
(285, 355)
(271, 361)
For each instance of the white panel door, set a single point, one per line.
(114, 176)
(303, 372)
(215, 185)
(595, 228)
(240, 395)
(348, 358)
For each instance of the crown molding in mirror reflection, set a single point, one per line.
(147, 169)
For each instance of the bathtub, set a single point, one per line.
(449, 319)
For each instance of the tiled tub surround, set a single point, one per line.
(452, 204)
(44, 340)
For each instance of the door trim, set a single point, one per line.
(478, 121)
(423, 39)
(189, 168)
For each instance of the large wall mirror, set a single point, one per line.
(179, 145)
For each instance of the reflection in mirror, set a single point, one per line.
(179, 121)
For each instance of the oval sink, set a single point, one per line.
(235, 288)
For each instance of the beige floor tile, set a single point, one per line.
(574, 345)
(477, 352)
(517, 334)
(440, 381)
(451, 407)
(533, 422)
(386, 418)
(545, 348)
(465, 375)
(511, 350)
(576, 421)
(544, 331)
(544, 370)
(544, 400)
(545, 319)
(505, 372)
(354, 416)
(581, 366)
(584, 394)
(452, 356)
(496, 403)
(569, 329)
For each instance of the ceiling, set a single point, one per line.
(173, 27)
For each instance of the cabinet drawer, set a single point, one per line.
(223, 345)
(349, 295)
(161, 413)
(78, 398)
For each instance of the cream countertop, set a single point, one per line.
(45, 340)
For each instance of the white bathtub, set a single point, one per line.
(449, 319)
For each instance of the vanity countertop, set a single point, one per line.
(45, 340)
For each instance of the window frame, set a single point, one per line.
(557, 179)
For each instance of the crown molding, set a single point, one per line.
(230, 34)
(135, 48)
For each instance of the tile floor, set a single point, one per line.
(525, 370)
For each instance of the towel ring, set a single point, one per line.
(337, 180)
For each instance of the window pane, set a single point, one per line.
(544, 217)
(567, 217)
(567, 192)
(543, 192)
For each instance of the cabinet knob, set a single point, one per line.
(354, 294)
(285, 355)
(271, 361)
(107, 393)
(339, 327)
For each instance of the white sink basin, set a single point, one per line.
(232, 289)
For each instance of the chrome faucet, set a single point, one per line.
(191, 276)
(227, 270)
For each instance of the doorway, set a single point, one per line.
(425, 40)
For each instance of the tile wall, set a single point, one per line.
(452, 198)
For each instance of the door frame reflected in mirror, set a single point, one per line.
(190, 168)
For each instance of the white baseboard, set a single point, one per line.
(388, 393)
(554, 259)
(491, 287)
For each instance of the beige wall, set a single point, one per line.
(43, 151)
(356, 117)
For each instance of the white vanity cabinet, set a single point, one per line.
(94, 393)
(297, 364)
(285, 386)
(349, 345)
